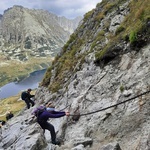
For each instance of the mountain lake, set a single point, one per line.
(13, 88)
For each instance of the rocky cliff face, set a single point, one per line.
(105, 62)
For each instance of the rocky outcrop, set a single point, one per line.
(92, 85)
(126, 125)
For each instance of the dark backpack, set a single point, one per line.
(38, 111)
(24, 95)
(2, 122)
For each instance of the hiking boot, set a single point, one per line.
(56, 142)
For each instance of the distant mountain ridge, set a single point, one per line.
(28, 32)
(29, 40)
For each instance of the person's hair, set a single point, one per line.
(49, 104)
(29, 90)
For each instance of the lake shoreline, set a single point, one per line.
(30, 74)
(13, 88)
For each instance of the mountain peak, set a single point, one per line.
(34, 29)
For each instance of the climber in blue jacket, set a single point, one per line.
(42, 119)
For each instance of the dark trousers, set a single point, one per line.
(50, 127)
(28, 101)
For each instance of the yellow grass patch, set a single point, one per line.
(11, 70)
(12, 104)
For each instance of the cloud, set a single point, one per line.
(67, 8)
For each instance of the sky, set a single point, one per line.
(68, 8)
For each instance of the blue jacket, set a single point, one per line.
(46, 115)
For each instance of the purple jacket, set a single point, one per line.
(54, 114)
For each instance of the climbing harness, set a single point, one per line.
(112, 105)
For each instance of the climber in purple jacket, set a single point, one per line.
(42, 119)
